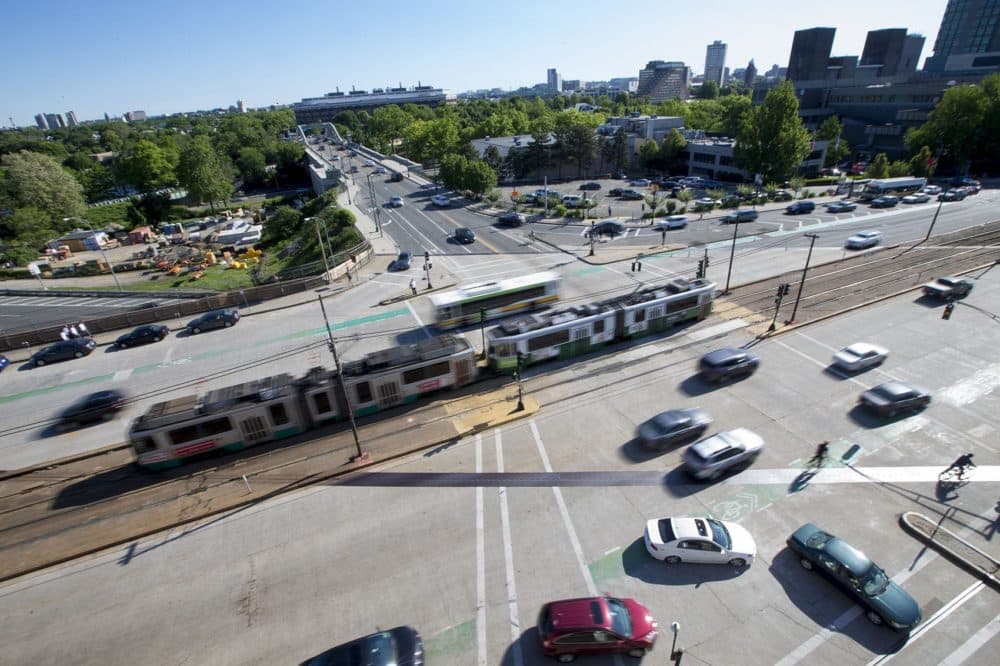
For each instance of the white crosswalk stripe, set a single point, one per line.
(71, 302)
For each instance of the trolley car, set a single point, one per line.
(467, 304)
(580, 329)
(281, 406)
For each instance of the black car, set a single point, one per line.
(590, 186)
(884, 202)
(956, 194)
(403, 261)
(465, 235)
(142, 335)
(213, 319)
(512, 219)
(63, 351)
(890, 398)
(396, 177)
(4, 362)
(673, 426)
(841, 206)
(615, 192)
(100, 406)
(607, 228)
(401, 646)
(631, 195)
(801, 207)
(727, 363)
(884, 601)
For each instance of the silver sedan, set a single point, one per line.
(860, 356)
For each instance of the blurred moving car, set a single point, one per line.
(212, 320)
(920, 197)
(395, 202)
(396, 177)
(401, 646)
(841, 206)
(142, 335)
(403, 261)
(728, 451)
(379, 170)
(512, 219)
(441, 200)
(631, 194)
(949, 287)
(99, 406)
(4, 362)
(639, 182)
(699, 541)
(739, 216)
(727, 363)
(606, 228)
(801, 207)
(863, 240)
(596, 625)
(932, 189)
(63, 351)
(854, 573)
(860, 356)
(886, 201)
(673, 426)
(590, 186)
(890, 398)
(465, 235)
(952, 195)
(671, 222)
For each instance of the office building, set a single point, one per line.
(71, 119)
(555, 80)
(571, 85)
(969, 37)
(661, 81)
(241, 105)
(40, 121)
(629, 84)
(715, 61)
(323, 109)
(135, 116)
(810, 53)
(54, 120)
(750, 76)
(893, 51)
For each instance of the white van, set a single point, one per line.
(572, 200)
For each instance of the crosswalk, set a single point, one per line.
(127, 303)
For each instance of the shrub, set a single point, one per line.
(559, 211)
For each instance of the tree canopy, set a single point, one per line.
(772, 140)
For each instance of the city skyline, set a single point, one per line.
(109, 59)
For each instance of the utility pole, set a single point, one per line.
(591, 239)
(482, 327)
(360, 456)
(322, 248)
(931, 228)
(427, 268)
(782, 292)
(732, 255)
(812, 241)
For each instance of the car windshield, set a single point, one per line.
(666, 423)
(621, 623)
(720, 534)
(874, 581)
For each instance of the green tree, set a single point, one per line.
(251, 164)
(575, 136)
(492, 157)
(672, 150)
(733, 108)
(146, 166)
(772, 140)
(649, 155)
(921, 164)
(954, 126)
(899, 169)
(830, 130)
(452, 171)
(386, 126)
(479, 178)
(39, 181)
(24, 233)
(614, 151)
(283, 223)
(879, 167)
(203, 173)
(708, 90)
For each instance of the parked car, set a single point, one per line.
(890, 398)
(725, 452)
(401, 646)
(952, 195)
(841, 206)
(949, 287)
(855, 574)
(673, 426)
(615, 192)
(395, 202)
(573, 200)
(920, 197)
(739, 216)
(886, 201)
(631, 194)
(782, 195)
(142, 335)
(705, 202)
(727, 363)
(510, 218)
(800, 207)
(403, 261)
(213, 319)
(730, 201)
(671, 222)
(932, 189)
(63, 351)
(606, 228)
(465, 235)
(863, 240)
(379, 170)
(596, 625)
(4, 362)
(441, 200)
(590, 186)
(965, 181)
(640, 182)
(699, 541)
(99, 406)
(860, 356)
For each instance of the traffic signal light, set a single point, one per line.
(701, 269)
(948, 309)
(785, 288)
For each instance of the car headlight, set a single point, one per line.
(651, 636)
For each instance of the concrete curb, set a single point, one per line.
(952, 546)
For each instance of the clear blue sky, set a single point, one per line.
(115, 56)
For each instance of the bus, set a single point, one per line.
(895, 186)
(467, 304)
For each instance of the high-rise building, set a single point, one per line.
(71, 119)
(810, 54)
(751, 74)
(40, 121)
(54, 120)
(892, 50)
(715, 61)
(661, 81)
(555, 80)
(241, 105)
(135, 116)
(968, 27)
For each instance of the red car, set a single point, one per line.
(596, 625)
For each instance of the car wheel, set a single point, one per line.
(107, 416)
(228, 324)
(716, 475)
(638, 653)
(874, 618)
(196, 330)
(672, 559)
(738, 562)
(78, 354)
(566, 658)
(156, 338)
(40, 362)
(806, 564)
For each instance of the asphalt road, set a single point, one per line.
(465, 543)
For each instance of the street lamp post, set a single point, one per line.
(101, 248)
(732, 255)
(812, 241)
(931, 228)
(675, 654)
(322, 248)
(360, 456)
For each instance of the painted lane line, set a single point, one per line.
(943, 612)
(480, 559)
(508, 555)
(122, 375)
(424, 328)
(971, 646)
(574, 541)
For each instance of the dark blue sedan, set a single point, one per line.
(4, 362)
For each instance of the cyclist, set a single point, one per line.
(963, 465)
(819, 457)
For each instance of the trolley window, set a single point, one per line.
(364, 390)
(502, 300)
(279, 416)
(682, 304)
(321, 401)
(640, 315)
(550, 340)
(182, 435)
(598, 326)
(216, 426)
(417, 374)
